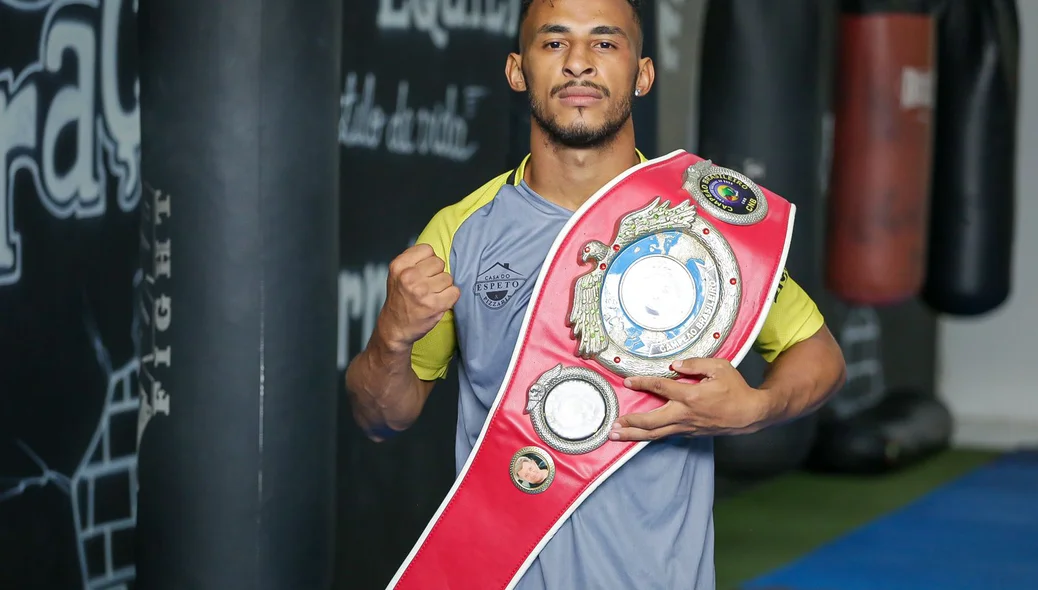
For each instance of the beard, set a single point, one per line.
(580, 134)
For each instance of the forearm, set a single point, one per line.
(385, 393)
(802, 378)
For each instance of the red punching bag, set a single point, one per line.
(878, 212)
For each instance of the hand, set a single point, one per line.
(721, 403)
(418, 294)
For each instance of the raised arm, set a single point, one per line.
(386, 394)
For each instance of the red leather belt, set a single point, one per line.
(675, 258)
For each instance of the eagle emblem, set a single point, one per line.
(585, 315)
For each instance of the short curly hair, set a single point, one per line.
(636, 6)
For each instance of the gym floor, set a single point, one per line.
(963, 519)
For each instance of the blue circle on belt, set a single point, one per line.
(729, 193)
(636, 338)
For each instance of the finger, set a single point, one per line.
(703, 367)
(639, 434)
(445, 299)
(414, 255)
(666, 415)
(666, 388)
(440, 282)
(430, 266)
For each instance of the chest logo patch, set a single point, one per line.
(496, 285)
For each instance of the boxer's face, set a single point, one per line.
(580, 66)
(531, 473)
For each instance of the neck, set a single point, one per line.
(570, 176)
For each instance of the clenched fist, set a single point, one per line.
(418, 293)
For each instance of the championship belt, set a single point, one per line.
(631, 284)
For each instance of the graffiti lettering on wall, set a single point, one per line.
(362, 293)
(437, 18)
(69, 121)
(73, 84)
(439, 130)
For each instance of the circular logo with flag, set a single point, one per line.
(731, 197)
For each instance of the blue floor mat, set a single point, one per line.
(979, 532)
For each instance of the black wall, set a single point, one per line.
(424, 105)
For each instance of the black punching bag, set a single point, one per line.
(974, 171)
(763, 100)
(763, 94)
(679, 46)
(237, 430)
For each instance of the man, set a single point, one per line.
(464, 287)
(529, 473)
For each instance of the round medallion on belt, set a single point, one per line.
(659, 295)
(730, 196)
(572, 409)
(668, 289)
(532, 470)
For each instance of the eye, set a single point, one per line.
(606, 45)
(553, 44)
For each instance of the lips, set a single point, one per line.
(579, 96)
(580, 92)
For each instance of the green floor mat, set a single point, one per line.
(776, 522)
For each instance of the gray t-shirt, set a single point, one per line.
(649, 525)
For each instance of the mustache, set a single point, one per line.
(584, 84)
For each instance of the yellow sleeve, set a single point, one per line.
(432, 354)
(793, 318)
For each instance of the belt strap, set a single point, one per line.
(719, 251)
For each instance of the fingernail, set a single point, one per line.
(627, 382)
(616, 426)
(614, 436)
(674, 365)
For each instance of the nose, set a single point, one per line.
(578, 63)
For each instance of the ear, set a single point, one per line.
(646, 76)
(514, 72)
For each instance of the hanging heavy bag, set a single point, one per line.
(974, 200)
(678, 60)
(878, 208)
(239, 257)
(766, 122)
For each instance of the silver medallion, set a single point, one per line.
(532, 470)
(730, 196)
(667, 289)
(572, 409)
